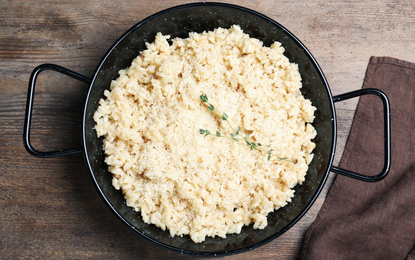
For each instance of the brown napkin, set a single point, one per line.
(362, 220)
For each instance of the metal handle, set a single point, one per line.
(387, 135)
(29, 108)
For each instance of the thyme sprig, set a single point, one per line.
(235, 134)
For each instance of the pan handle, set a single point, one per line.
(387, 135)
(29, 108)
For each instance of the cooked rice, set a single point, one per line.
(206, 186)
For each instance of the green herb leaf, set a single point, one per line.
(204, 132)
(218, 134)
(211, 107)
(253, 145)
(238, 131)
(270, 153)
(204, 98)
(224, 116)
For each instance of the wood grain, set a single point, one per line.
(49, 208)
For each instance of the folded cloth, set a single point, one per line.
(361, 220)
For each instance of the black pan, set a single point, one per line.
(178, 22)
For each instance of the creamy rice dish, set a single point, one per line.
(196, 184)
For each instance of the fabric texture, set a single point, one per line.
(361, 220)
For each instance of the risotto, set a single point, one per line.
(196, 184)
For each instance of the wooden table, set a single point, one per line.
(49, 208)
